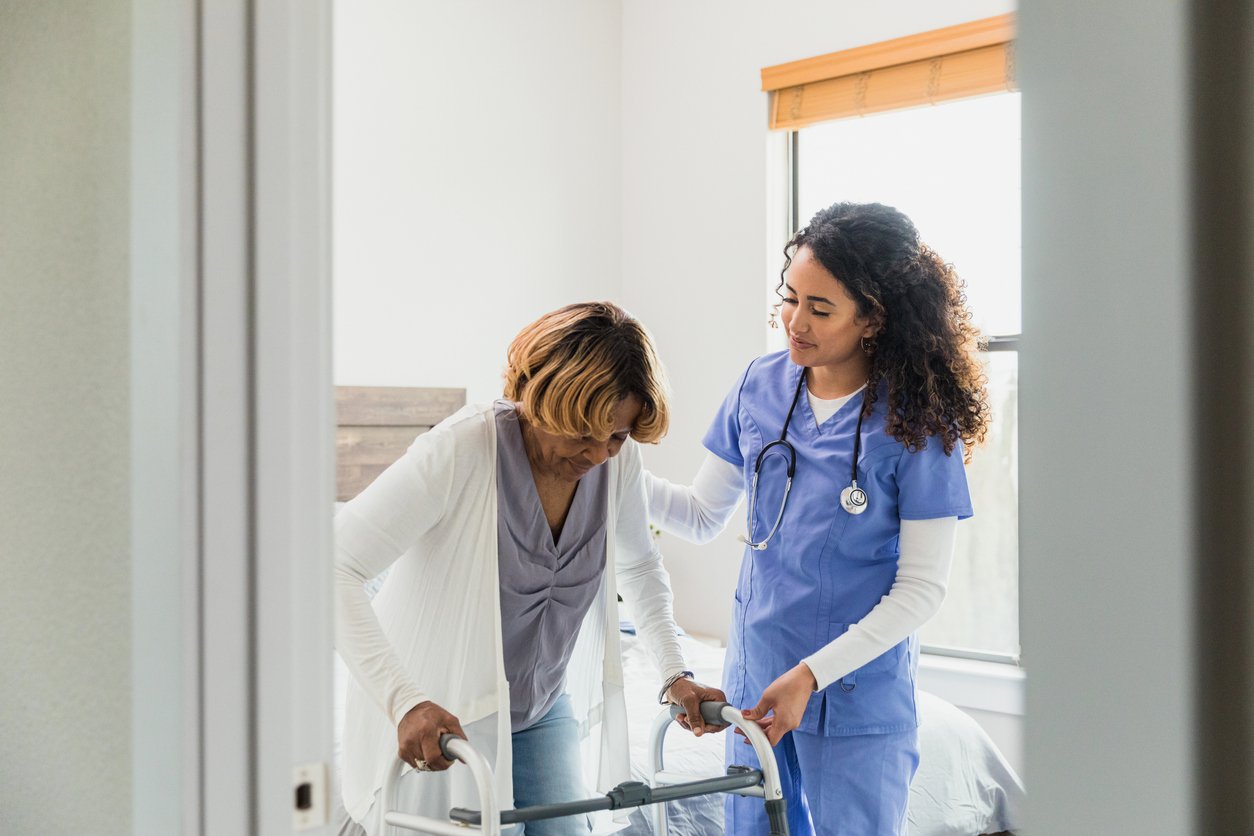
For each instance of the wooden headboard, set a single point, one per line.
(376, 424)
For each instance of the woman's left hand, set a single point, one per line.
(690, 694)
(787, 697)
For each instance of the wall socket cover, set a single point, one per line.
(309, 796)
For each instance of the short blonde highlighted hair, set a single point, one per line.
(570, 369)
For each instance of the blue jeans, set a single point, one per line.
(546, 770)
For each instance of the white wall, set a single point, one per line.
(695, 217)
(477, 180)
(455, 225)
(469, 199)
(64, 389)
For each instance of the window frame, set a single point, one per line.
(994, 343)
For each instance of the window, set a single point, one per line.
(954, 169)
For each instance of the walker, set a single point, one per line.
(667, 786)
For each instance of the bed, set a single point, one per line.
(964, 786)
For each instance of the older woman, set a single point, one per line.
(498, 621)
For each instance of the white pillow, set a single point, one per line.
(964, 785)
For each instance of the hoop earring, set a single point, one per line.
(868, 346)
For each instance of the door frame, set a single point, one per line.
(232, 413)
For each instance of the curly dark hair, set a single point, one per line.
(925, 348)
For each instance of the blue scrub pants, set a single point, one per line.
(834, 786)
(546, 770)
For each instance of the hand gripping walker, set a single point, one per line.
(763, 783)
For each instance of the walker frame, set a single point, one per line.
(490, 820)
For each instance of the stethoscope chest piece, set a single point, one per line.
(853, 499)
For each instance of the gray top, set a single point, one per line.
(546, 587)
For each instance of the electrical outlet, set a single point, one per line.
(309, 797)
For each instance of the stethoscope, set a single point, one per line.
(853, 499)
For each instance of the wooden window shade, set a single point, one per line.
(952, 63)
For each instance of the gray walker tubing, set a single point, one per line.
(668, 786)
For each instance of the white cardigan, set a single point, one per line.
(434, 629)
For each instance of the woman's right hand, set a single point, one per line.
(418, 736)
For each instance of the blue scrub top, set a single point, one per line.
(825, 569)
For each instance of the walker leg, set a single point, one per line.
(777, 816)
(659, 819)
(660, 726)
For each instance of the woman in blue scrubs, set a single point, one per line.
(843, 562)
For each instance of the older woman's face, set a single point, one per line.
(570, 458)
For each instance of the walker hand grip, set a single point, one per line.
(711, 712)
(445, 739)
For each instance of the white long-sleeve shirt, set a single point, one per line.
(700, 511)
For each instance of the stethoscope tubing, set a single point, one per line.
(853, 499)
